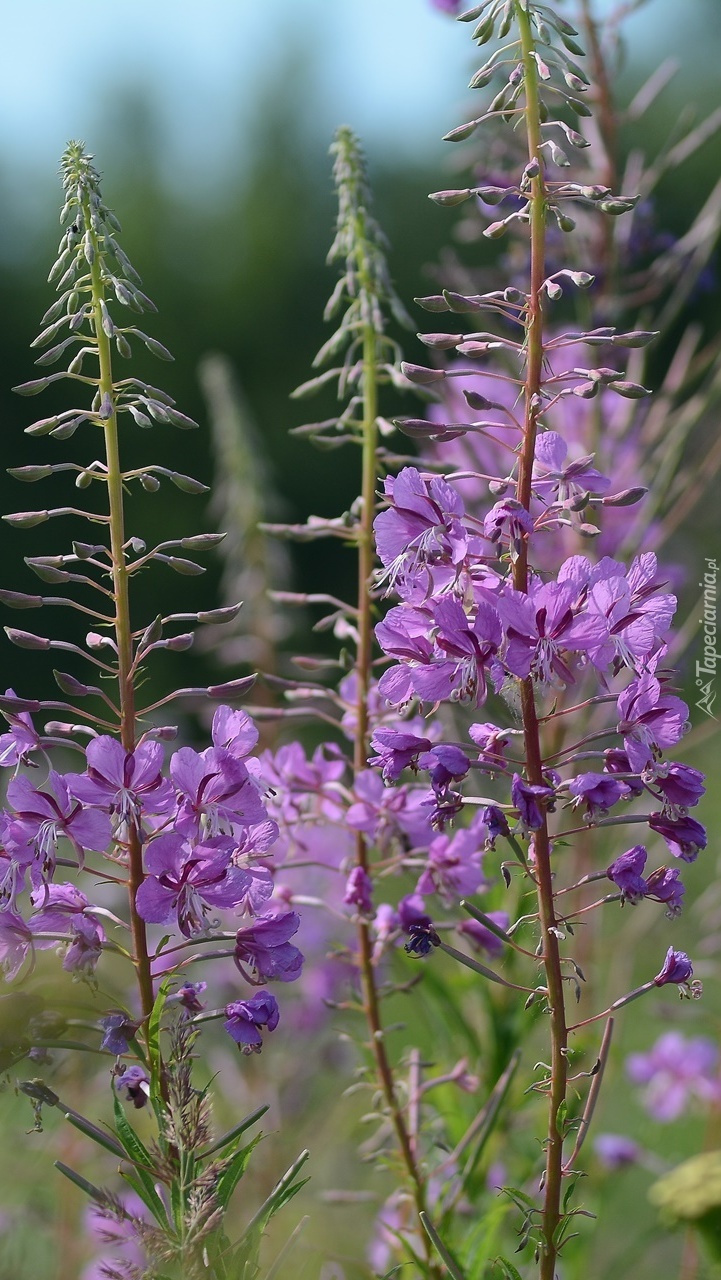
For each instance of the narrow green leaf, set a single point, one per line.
(234, 1133)
(441, 1249)
(231, 1175)
(90, 1190)
(141, 1160)
(154, 1037)
(509, 1271)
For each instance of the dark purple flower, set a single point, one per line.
(263, 952)
(188, 995)
(123, 783)
(526, 796)
(134, 1080)
(508, 520)
(118, 1031)
(446, 6)
(597, 791)
(411, 911)
(676, 968)
(422, 939)
(244, 1017)
(625, 873)
(183, 879)
(675, 1068)
(649, 720)
(496, 822)
(684, 836)
(616, 761)
(396, 751)
(665, 885)
(678, 785)
(359, 891)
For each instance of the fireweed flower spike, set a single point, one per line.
(482, 606)
(183, 848)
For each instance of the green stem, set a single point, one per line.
(121, 621)
(366, 565)
(546, 907)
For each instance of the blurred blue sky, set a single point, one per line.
(393, 69)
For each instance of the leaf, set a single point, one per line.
(235, 1132)
(509, 1271)
(142, 1162)
(441, 1249)
(231, 1175)
(90, 1190)
(284, 1191)
(154, 1038)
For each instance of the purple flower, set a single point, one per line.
(183, 879)
(527, 796)
(445, 6)
(678, 785)
(188, 995)
(676, 968)
(649, 720)
(396, 751)
(684, 836)
(422, 525)
(625, 873)
(542, 628)
(597, 791)
(674, 1069)
(16, 941)
(665, 885)
(244, 1017)
(118, 1031)
(466, 650)
(481, 938)
(509, 520)
(555, 480)
(134, 1080)
(496, 822)
(616, 761)
(359, 891)
(263, 952)
(86, 947)
(421, 940)
(215, 792)
(15, 746)
(491, 742)
(123, 783)
(454, 864)
(616, 1151)
(234, 731)
(41, 818)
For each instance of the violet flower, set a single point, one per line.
(134, 1080)
(16, 943)
(615, 1151)
(359, 891)
(244, 1017)
(676, 968)
(481, 938)
(118, 1031)
(684, 836)
(16, 746)
(41, 818)
(263, 952)
(396, 751)
(183, 879)
(625, 873)
(649, 720)
(454, 864)
(215, 792)
(675, 1069)
(527, 797)
(125, 784)
(597, 791)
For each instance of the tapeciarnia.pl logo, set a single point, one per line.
(706, 670)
